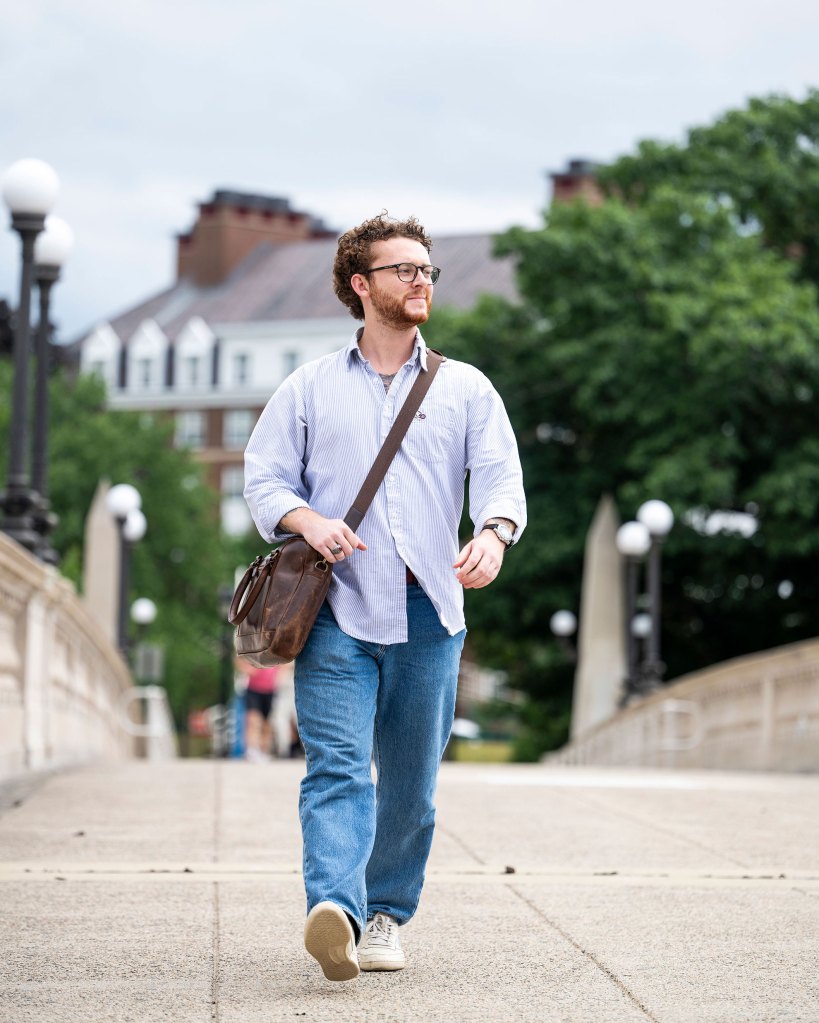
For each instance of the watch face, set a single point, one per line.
(502, 532)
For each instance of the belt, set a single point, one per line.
(411, 580)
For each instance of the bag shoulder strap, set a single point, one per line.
(392, 441)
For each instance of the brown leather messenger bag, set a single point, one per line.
(277, 601)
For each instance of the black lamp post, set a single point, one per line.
(226, 674)
(221, 743)
(50, 252)
(147, 657)
(633, 542)
(29, 188)
(124, 503)
(658, 518)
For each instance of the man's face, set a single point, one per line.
(394, 302)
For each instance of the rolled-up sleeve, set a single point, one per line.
(274, 460)
(495, 476)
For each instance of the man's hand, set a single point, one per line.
(480, 561)
(324, 535)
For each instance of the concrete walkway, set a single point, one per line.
(172, 892)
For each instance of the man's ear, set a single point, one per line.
(360, 285)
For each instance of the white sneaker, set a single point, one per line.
(330, 939)
(380, 947)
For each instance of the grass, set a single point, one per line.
(481, 751)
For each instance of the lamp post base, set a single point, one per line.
(644, 682)
(16, 519)
(44, 522)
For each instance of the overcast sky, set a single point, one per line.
(450, 110)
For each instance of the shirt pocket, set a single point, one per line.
(432, 434)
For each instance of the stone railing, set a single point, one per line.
(62, 683)
(754, 713)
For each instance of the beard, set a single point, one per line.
(393, 312)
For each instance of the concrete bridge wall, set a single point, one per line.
(759, 712)
(61, 678)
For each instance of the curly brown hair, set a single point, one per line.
(353, 254)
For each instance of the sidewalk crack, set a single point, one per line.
(459, 841)
(214, 984)
(610, 975)
(652, 826)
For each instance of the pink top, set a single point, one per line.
(262, 680)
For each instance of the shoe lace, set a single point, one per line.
(381, 928)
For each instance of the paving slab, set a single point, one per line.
(110, 951)
(173, 891)
(715, 953)
(587, 818)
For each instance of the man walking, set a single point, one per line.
(377, 678)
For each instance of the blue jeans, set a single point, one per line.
(366, 846)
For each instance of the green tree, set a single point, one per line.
(657, 352)
(764, 158)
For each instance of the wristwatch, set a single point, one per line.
(502, 532)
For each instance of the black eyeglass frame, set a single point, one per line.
(433, 277)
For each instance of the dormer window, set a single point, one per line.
(192, 368)
(144, 374)
(146, 357)
(241, 369)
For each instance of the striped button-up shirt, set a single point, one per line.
(315, 443)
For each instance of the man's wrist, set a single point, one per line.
(292, 521)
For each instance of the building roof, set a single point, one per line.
(294, 282)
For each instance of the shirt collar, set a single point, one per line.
(419, 351)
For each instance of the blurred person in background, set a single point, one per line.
(259, 696)
(285, 725)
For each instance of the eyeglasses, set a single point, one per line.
(407, 272)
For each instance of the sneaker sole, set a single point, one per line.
(373, 965)
(329, 938)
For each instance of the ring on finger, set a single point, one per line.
(336, 550)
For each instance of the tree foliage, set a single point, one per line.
(660, 350)
(764, 158)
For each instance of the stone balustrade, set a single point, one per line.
(62, 682)
(759, 712)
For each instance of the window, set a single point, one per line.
(291, 361)
(241, 369)
(144, 373)
(192, 371)
(238, 427)
(233, 481)
(190, 429)
(236, 518)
